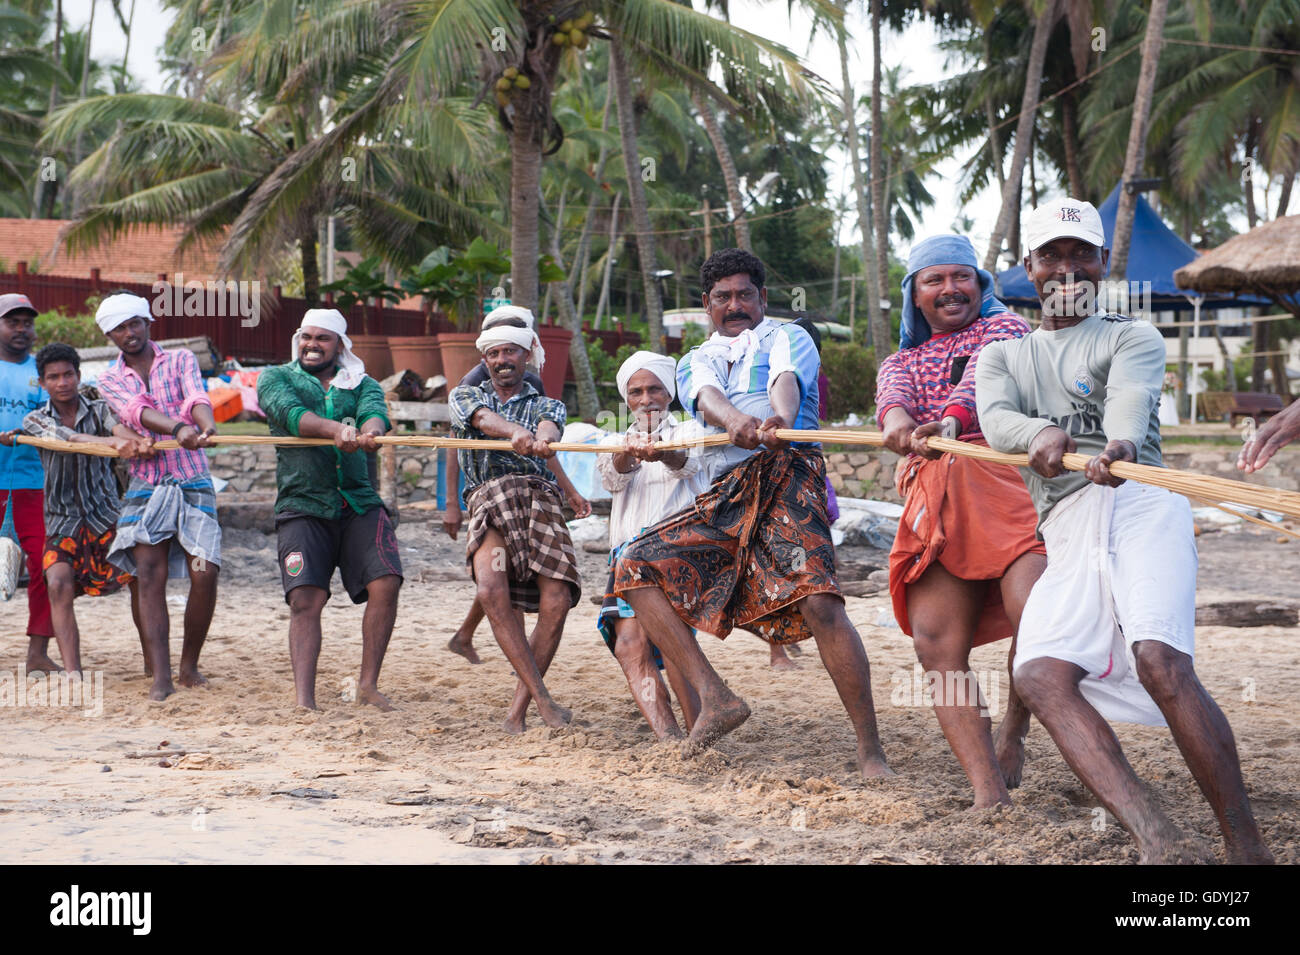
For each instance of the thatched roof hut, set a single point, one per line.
(1264, 261)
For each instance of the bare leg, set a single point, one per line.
(687, 698)
(62, 588)
(134, 587)
(945, 612)
(202, 601)
(1205, 739)
(634, 654)
(1009, 742)
(462, 641)
(376, 630)
(1051, 690)
(777, 659)
(721, 711)
(845, 660)
(305, 605)
(151, 581)
(494, 595)
(38, 656)
(553, 609)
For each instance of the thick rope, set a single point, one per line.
(1200, 486)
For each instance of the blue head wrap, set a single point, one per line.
(941, 250)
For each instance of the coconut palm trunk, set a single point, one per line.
(1028, 108)
(1137, 137)
(588, 401)
(880, 330)
(728, 164)
(645, 245)
(525, 180)
(859, 187)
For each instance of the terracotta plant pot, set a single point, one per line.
(555, 340)
(420, 353)
(459, 356)
(373, 350)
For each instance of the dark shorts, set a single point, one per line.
(362, 546)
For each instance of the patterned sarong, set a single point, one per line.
(756, 542)
(87, 554)
(184, 512)
(525, 510)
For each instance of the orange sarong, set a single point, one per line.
(976, 519)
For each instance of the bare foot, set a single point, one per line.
(190, 676)
(463, 646)
(41, 663)
(161, 689)
(779, 661)
(554, 715)
(714, 723)
(794, 650)
(308, 706)
(871, 762)
(1249, 855)
(1010, 752)
(1174, 848)
(991, 803)
(514, 726)
(373, 697)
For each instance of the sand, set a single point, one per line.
(438, 781)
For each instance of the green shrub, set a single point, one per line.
(79, 331)
(851, 370)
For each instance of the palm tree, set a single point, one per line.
(1046, 14)
(1137, 137)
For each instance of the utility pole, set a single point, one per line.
(707, 212)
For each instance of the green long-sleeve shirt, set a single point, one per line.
(318, 480)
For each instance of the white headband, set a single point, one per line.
(508, 311)
(661, 366)
(119, 308)
(525, 338)
(351, 368)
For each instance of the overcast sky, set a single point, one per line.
(916, 48)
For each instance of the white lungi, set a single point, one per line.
(1121, 567)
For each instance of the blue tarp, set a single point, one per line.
(1155, 253)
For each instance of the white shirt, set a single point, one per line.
(651, 491)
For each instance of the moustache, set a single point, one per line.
(957, 298)
(744, 316)
(501, 368)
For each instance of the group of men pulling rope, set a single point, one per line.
(1092, 577)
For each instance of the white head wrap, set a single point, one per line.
(119, 308)
(661, 366)
(525, 338)
(509, 311)
(351, 368)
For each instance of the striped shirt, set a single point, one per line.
(175, 387)
(528, 408)
(742, 369)
(80, 489)
(919, 379)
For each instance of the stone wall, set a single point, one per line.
(852, 473)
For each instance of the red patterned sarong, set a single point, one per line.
(754, 544)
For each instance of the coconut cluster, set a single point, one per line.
(509, 81)
(574, 32)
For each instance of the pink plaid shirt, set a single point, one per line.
(175, 387)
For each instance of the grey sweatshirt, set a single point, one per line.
(1098, 381)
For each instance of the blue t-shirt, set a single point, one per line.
(20, 392)
(780, 347)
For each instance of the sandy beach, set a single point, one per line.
(438, 781)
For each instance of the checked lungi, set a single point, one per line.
(755, 543)
(185, 512)
(525, 510)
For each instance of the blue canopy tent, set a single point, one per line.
(1155, 253)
